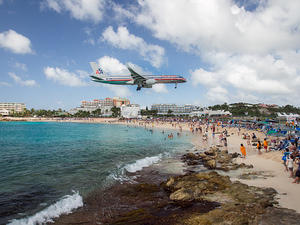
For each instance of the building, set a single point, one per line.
(130, 111)
(173, 108)
(104, 104)
(97, 103)
(267, 106)
(13, 107)
(118, 102)
(4, 112)
(210, 113)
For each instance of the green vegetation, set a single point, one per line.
(56, 113)
(116, 112)
(147, 112)
(255, 110)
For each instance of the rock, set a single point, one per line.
(192, 187)
(234, 155)
(190, 156)
(170, 182)
(224, 152)
(211, 164)
(278, 216)
(240, 203)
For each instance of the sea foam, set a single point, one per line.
(141, 163)
(63, 206)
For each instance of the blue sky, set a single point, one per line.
(229, 51)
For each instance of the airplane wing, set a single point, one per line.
(138, 79)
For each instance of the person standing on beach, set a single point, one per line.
(266, 145)
(259, 147)
(290, 162)
(297, 172)
(243, 151)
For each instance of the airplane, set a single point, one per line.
(142, 81)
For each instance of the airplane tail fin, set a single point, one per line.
(96, 69)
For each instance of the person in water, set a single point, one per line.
(243, 151)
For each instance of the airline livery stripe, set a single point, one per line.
(119, 80)
(169, 79)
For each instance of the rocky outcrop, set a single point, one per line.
(239, 203)
(214, 158)
(192, 187)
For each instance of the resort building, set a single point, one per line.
(130, 111)
(104, 104)
(118, 102)
(210, 113)
(4, 112)
(12, 107)
(173, 108)
(97, 103)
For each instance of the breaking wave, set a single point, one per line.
(63, 206)
(141, 163)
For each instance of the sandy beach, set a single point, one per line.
(269, 163)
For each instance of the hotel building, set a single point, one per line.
(176, 109)
(12, 107)
(104, 104)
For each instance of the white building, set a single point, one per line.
(13, 107)
(4, 112)
(288, 117)
(105, 110)
(211, 113)
(175, 109)
(130, 111)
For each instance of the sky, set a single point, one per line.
(228, 50)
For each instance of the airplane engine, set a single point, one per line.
(147, 86)
(150, 82)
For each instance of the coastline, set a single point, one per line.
(267, 163)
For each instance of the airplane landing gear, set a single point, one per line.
(175, 85)
(138, 88)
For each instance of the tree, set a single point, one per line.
(96, 113)
(116, 111)
(81, 113)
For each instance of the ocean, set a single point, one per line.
(47, 168)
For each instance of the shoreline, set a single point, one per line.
(268, 163)
(152, 180)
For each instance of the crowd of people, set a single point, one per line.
(286, 143)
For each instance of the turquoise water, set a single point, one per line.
(43, 162)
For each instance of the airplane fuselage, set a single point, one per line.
(142, 81)
(151, 79)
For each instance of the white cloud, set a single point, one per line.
(4, 84)
(160, 88)
(249, 49)
(18, 80)
(254, 77)
(64, 77)
(120, 91)
(16, 43)
(222, 25)
(217, 94)
(21, 66)
(91, 10)
(124, 40)
(112, 66)
(90, 41)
